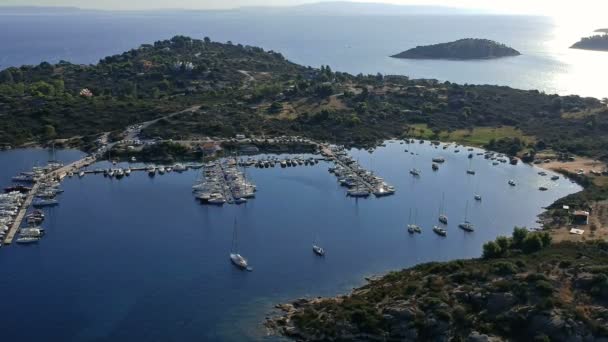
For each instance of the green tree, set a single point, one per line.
(49, 132)
(6, 77)
(504, 243)
(532, 243)
(491, 250)
(519, 234)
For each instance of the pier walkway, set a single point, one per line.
(60, 173)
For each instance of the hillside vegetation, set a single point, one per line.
(596, 42)
(523, 289)
(248, 90)
(468, 48)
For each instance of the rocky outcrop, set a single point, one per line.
(461, 49)
(557, 295)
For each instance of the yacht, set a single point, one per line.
(413, 228)
(470, 172)
(31, 232)
(318, 250)
(119, 173)
(151, 170)
(435, 167)
(477, 197)
(511, 182)
(81, 174)
(554, 178)
(238, 260)
(179, 168)
(543, 188)
(38, 203)
(161, 170)
(28, 240)
(415, 172)
(466, 225)
(110, 173)
(440, 231)
(240, 200)
(358, 192)
(128, 172)
(438, 160)
(216, 200)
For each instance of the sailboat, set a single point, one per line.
(238, 260)
(477, 195)
(466, 225)
(470, 170)
(318, 250)
(413, 227)
(443, 218)
(414, 171)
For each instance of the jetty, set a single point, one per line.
(58, 174)
(361, 182)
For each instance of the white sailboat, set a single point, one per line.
(466, 225)
(318, 250)
(443, 218)
(413, 227)
(237, 259)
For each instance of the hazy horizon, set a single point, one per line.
(589, 8)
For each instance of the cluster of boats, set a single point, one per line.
(36, 174)
(10, 203)
(223, 182)
(46, 194)
(360, 182)
(161, 170)
(273, 161)
(33, 232)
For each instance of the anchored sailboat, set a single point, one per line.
(413, 227)
(238, 260)
(443, 218)
(466, 225)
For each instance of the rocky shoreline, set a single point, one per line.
(557, 294)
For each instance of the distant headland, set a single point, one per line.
(597, 42)
(468, 48)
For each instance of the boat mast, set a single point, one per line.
(234, 238)
(466, 212)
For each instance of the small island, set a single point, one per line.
(597, 42)
(463, 49)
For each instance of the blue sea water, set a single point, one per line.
(139, 259)
(355, 44)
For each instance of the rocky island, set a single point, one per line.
(597, 42)
(463, 49)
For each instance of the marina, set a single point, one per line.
(127, 222)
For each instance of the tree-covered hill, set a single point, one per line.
(596, 42)
(522, 290)
(64, 99)
(468, 48)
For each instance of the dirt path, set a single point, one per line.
(579, 163)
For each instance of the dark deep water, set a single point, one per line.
(139, 259)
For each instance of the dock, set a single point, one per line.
(60, 173)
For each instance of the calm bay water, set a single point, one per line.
(346, 43)
(140, 259)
